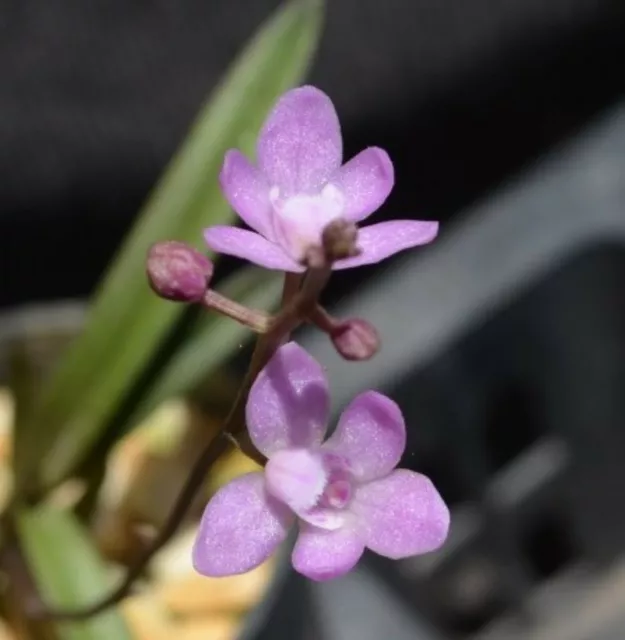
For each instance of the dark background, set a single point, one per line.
(96, 96)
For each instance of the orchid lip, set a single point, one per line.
(317, 486)
(332, 508)
(338, 494)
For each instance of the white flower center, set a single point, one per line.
(296, 477)
(316, 485)
(299, 220)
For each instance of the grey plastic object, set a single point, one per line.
(425, 300)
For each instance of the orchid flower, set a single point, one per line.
(299, 186)
(344, 493)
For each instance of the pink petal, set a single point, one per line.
(323, 555)
(380, 241)
(241, 527)
(365, 181)
(247, 191)
(289, 403)
(300, 144)
(371, 436)
(250, 246)
(402, 515)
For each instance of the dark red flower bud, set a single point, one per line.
(356, 339)
(177, 271)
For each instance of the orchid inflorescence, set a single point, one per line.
(345, 493)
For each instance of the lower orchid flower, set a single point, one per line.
(344, 493)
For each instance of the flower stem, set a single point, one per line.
(323, 320)
(257, 321)
(296, 305)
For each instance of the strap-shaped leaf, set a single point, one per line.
(127, 322)
(68, 572)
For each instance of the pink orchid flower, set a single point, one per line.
(299, 186)
(344, 493)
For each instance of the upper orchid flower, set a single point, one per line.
(344, 492)
(300, 186)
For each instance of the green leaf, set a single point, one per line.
(68, 572)
(216, 338)
(127, 322)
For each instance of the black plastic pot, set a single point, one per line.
(521, 424)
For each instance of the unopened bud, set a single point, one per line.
(177, 271)
(339, 240)
(356, 339)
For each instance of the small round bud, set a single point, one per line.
(356, 339)
(177, 271)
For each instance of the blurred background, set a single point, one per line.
(504, 341)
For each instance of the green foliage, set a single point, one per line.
(59, 425)
(127, 323)
(68, 572)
